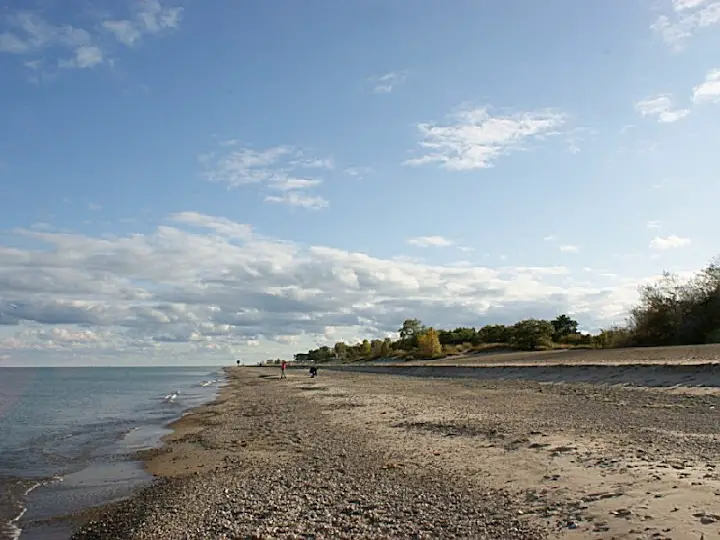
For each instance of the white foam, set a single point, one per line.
(13, 524)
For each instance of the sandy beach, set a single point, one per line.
(362, 455)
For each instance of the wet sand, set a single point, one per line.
(362, 455)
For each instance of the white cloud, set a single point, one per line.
(156, 17)
(662, 108)
(223, 292)
(550, 238)
(221, 226)
(688, 17)
(358, 172)
(248, 166)
(296, 198)
(313, 163)
(653, 224)
(151, 17)
(125, 31)
(10, 43)
(681, 5)
(430, 241)
(86, 56)
(569, 248)
(295, 183)
(474, 138)
(670, 242)
(276, 168)
(386, 83)
(708, 91)
(28, 33)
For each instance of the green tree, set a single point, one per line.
(411, 328)
(409, 333)
(612, 337)
(340, 350)
(494, 333)
(376, 346)
(365, 349)
(563, 326)
(386, 349)
(531, 333)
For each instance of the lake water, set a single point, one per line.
(68, 435)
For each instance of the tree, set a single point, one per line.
(563, 326)
(458, 336)
(409, 333)
(531, 333)
(340, 350)
(429, 343)
(376, 346)
(365, 348)
(494, 333)
(411, 328)
(386, 349)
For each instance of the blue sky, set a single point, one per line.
(198, 182)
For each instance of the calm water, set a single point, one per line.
(67, 434)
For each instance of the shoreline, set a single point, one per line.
(359, 455)
(130, 455)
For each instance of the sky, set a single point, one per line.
(186, 182)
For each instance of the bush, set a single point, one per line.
(713, 336)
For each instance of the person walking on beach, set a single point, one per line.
(283, 367)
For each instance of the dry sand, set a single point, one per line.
(358, 455)
(685, 355)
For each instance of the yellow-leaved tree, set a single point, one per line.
(429, 344)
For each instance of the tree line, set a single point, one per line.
(671, 311)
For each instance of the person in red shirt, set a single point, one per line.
(283, 367)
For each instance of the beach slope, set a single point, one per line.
(353, 455)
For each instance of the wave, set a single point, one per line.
(27, 486)
(208, 383)
(170, 398)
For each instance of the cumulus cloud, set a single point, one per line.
(210, 286)
(708, 91)
(277, 168)
(386, 83)
(474, 138)
(661, 107)
(430, 241)
(687, 18)
(660, 243)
